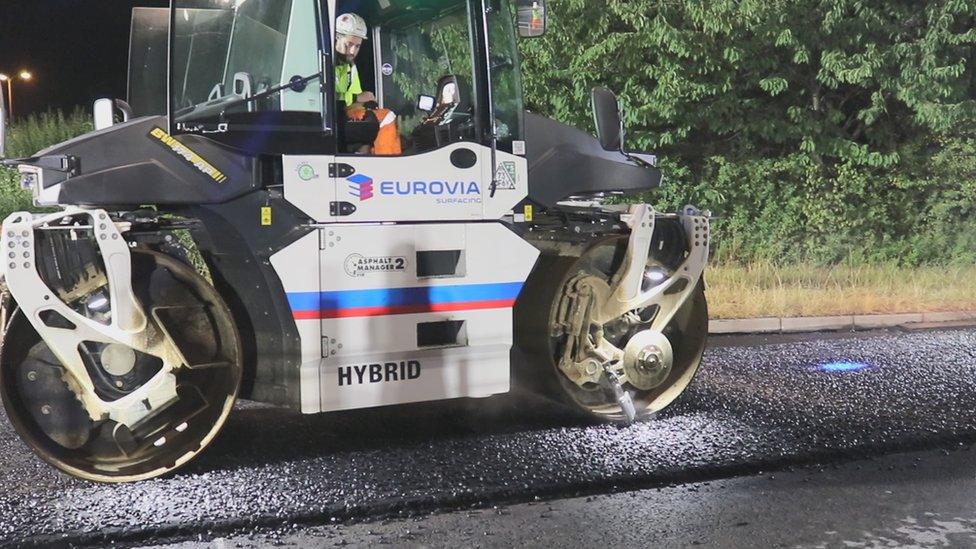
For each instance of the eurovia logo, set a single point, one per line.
(360, 186)
(364, 188)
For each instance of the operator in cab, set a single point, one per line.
(351, 31)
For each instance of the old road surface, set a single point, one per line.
(758, 404)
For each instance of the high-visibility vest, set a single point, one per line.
(348, 85)
(387, 141)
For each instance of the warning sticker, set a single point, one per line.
(506, 176)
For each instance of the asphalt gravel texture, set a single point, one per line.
(917, 499)
(756, 405)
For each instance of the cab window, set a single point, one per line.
(228, 57)
(431, 58)
(419, 56)
(506, 77)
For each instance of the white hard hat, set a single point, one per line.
(351, 24)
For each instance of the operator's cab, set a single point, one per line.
(240, 68)
(259, 76)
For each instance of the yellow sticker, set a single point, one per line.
(528, 212)
(266, 216)
(187, 154)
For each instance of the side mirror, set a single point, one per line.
(531, 18)
(106, 109)
(606, 115)
(426, 103)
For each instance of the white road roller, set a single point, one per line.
(229, 232)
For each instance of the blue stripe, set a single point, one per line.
(395, 297)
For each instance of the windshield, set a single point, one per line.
(148, 59)
(227, 54)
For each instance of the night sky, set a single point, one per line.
(77, 49)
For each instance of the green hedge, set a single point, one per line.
(818, 130)
(29, 136)
(789, 209)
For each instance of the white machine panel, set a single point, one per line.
(308, 185)
(389, 378)
(299, 274)
(412, 313)
(424, 187)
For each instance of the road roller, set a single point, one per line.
(233, 229)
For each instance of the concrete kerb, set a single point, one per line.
(817, 323)
(836, 323)
(745, 325)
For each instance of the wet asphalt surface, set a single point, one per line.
(757, 405)
(918, 499)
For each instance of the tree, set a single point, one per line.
(857, 81)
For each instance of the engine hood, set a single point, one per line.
(137, 162)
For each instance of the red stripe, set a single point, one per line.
(405, 309)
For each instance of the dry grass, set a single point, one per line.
(758, 290)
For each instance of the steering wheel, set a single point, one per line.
(456, 116)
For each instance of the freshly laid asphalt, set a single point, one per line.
(918, 499)
(759, 404)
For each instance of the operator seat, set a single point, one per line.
(452, 119)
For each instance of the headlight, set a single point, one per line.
(30, 177)
(28, 180)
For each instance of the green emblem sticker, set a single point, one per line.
(506, 176)
(307, 173)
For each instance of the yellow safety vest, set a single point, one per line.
(348, 85)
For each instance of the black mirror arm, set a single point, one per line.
(296, 83)
(68, 164)
(642, 159)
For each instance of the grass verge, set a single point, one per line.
(25, 138)
(763, 290)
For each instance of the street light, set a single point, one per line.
(26, 76)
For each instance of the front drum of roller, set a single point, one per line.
(41, 403)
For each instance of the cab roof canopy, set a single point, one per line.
(400, 13)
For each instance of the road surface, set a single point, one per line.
(758, 405)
